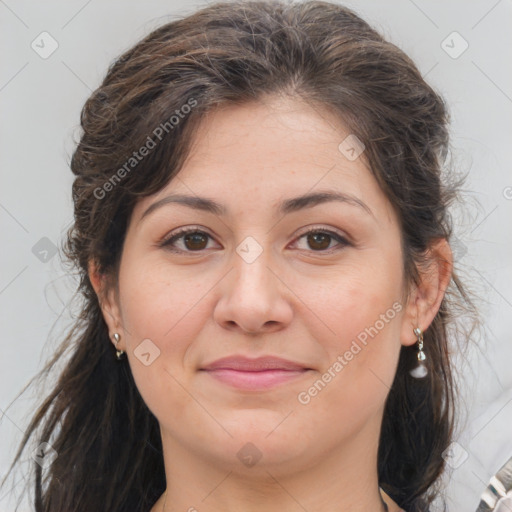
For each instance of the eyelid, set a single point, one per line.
(179, 232)
(342, 238)
(323, 229)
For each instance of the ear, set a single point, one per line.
(107, 299)
(425, 299)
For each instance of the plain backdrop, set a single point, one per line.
(56, 52)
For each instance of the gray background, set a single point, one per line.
(40, 102)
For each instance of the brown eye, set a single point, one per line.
(195, 241)
(190, 240)
(319, 241)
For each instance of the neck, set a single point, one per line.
(165, 509)
(341, 480)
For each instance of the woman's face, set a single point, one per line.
(251, 283)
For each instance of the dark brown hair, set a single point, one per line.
(108, 442)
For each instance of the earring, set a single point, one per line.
(421, 370)
(119, 353)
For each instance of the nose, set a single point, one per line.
(254, 299)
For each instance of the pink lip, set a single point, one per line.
(252, 374)
(246, 364)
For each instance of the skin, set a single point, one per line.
(301, 299)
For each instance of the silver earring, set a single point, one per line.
(119, 353)
(421, 370)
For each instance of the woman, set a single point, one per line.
(261, 233)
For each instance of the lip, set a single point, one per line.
(255, 374)
(245, 364)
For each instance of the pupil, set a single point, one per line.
(194, 238)
(322, 238)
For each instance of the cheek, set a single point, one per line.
(353, 300)
(362, 309)
(166, 309)
(359, 359)
(157, 302)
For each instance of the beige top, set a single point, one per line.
(393, 507)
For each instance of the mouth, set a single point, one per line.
(255, 374)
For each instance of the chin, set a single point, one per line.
(260, 442)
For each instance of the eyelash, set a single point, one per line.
(167, 243)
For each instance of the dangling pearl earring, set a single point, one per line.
(421, 370)
(119, 353)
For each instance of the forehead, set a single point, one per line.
(254, 155)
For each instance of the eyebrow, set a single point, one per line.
(285, 207)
